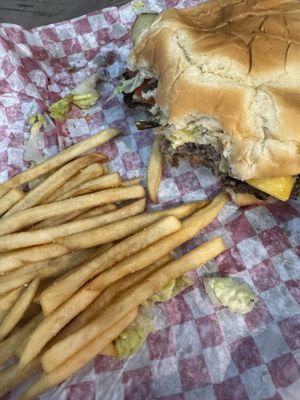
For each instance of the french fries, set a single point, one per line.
(78, 256)
(92, 171)
(48, 223)
(95, 236)
(29, 217)
(40, 236)
(9, 347)
(57, 179)
(107, 296)
(59, 159)
(53, 297)
(154, 170)
(13, 375)
(8, 300)
(18, 309)
(98, 211)
(10, 199)
(133, 181)
(133, 297)
(50, 268)
(103, 182)
(81, 358)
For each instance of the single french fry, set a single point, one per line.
(58, 160)
(12, 376)
(18, 309)
(154, 170)
(72, 217)
(133, 181)
(109, 350)
(98, 211)
(54, 221)
(92, 171)
(132, 297)
(81, 358)
(103, 182)
(10, 199)
(45, 235)
(50, 268)
(55, 181)
(10, 346)
(7, 301)
(107, 296)
(35, 214)
(57, 294)
(94, 236)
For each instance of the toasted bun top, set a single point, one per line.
(238, 63)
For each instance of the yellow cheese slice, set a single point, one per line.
(280, 188)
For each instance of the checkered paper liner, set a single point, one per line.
(198, 351)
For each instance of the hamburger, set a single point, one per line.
(222, 82)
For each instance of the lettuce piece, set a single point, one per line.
(138, 6)
(174, 287)
(129, 85)
(60, 109)
(132, 338)
(32, 152)
(85, 95)
(237, 297)
(36, 121)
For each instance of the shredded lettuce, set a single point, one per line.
(132, 338)
(238, 297)
(138, 6)
(85, 95)
(36, 121)
(129, 85)
(174, 287)
(60, 109)
(32, 152)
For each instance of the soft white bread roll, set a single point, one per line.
(236, 66)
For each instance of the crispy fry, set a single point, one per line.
(10, 199)
(103, 182)
(13, 375)
(154, 170)
(17, 311)
(50, 268)
(132, 297)
(25, 239)
(28, 217)
(94, 237)
(92, 171)
(54, 181)
(133, 181)
(98, 211)
(107, 296)
(54, 221)
(10, 346)
(58, 160)
(7, 301)
(81, 358)
(53, 297)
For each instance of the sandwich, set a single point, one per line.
(222, 83)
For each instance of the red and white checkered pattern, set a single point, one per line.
(198, 351)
